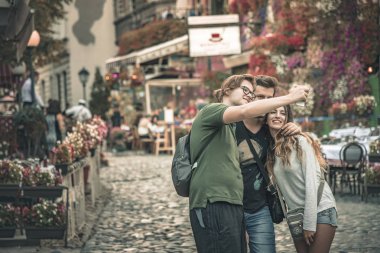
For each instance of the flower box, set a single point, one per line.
(9, 190)
(45, 232)
(7, 232)
(51, 192)
(374, 158)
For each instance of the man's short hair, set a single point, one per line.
(266, 81)
(233, 82)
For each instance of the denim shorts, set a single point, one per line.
(328, 216)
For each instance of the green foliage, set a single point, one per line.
(45, 214)
(47, 13)
(10, 172)
(32, 119)
(7, 216)
(152, 34)
(213, 80)
(99, 104)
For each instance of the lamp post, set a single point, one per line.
(33, 42)
(83, 76)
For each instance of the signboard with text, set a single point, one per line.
(214, 35)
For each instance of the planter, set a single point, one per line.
(45, 232)
(374, 158)
(63, 167)
(9, 190)
(51, 192)
(7, 232)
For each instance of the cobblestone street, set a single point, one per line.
(144, 214)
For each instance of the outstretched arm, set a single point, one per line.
(260, 107)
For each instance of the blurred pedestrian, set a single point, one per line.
(55, 124)
(116, 118)
(79, 112)
(29, 96)
(298, 167)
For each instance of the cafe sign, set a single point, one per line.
(214, 35)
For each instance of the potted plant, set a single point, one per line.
(10, 178)
(63, 157)
(374, 151)
(364, 105)
(45, 220)
(371, 181)
(7, 221)
(79, 145)
(41, 183)
(90, 136)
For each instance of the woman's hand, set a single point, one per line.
(290, 129)
(308, 236)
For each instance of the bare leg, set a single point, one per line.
(323, 239)
(301, 246)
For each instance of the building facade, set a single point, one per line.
(89, 38)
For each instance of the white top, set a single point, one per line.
(26, 93)
(79, 112)
(299, 184)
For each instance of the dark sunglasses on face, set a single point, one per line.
(247, 92)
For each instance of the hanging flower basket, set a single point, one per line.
(45, 232)
(7, 232)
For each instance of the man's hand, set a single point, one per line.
(290, 128)
(308, 236)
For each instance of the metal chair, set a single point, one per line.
(352, 156)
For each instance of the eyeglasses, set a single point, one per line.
(247, 92)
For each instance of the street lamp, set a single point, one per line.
(83, 76)
(33, 42)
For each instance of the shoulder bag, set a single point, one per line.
(294, 217)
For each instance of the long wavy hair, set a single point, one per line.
(282, 146)
(231, 83)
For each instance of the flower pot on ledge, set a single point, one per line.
(45, 232)
(7, 232)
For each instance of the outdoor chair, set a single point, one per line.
(139, 143)
(164, 141)
(352, 156)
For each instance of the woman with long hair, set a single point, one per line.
(297, 166)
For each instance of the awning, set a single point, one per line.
(237, 60)
(168, 83)
(167, 48)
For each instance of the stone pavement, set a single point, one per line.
(144, 214)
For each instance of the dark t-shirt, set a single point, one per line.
(254, 197)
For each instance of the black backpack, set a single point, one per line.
(182, 167)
